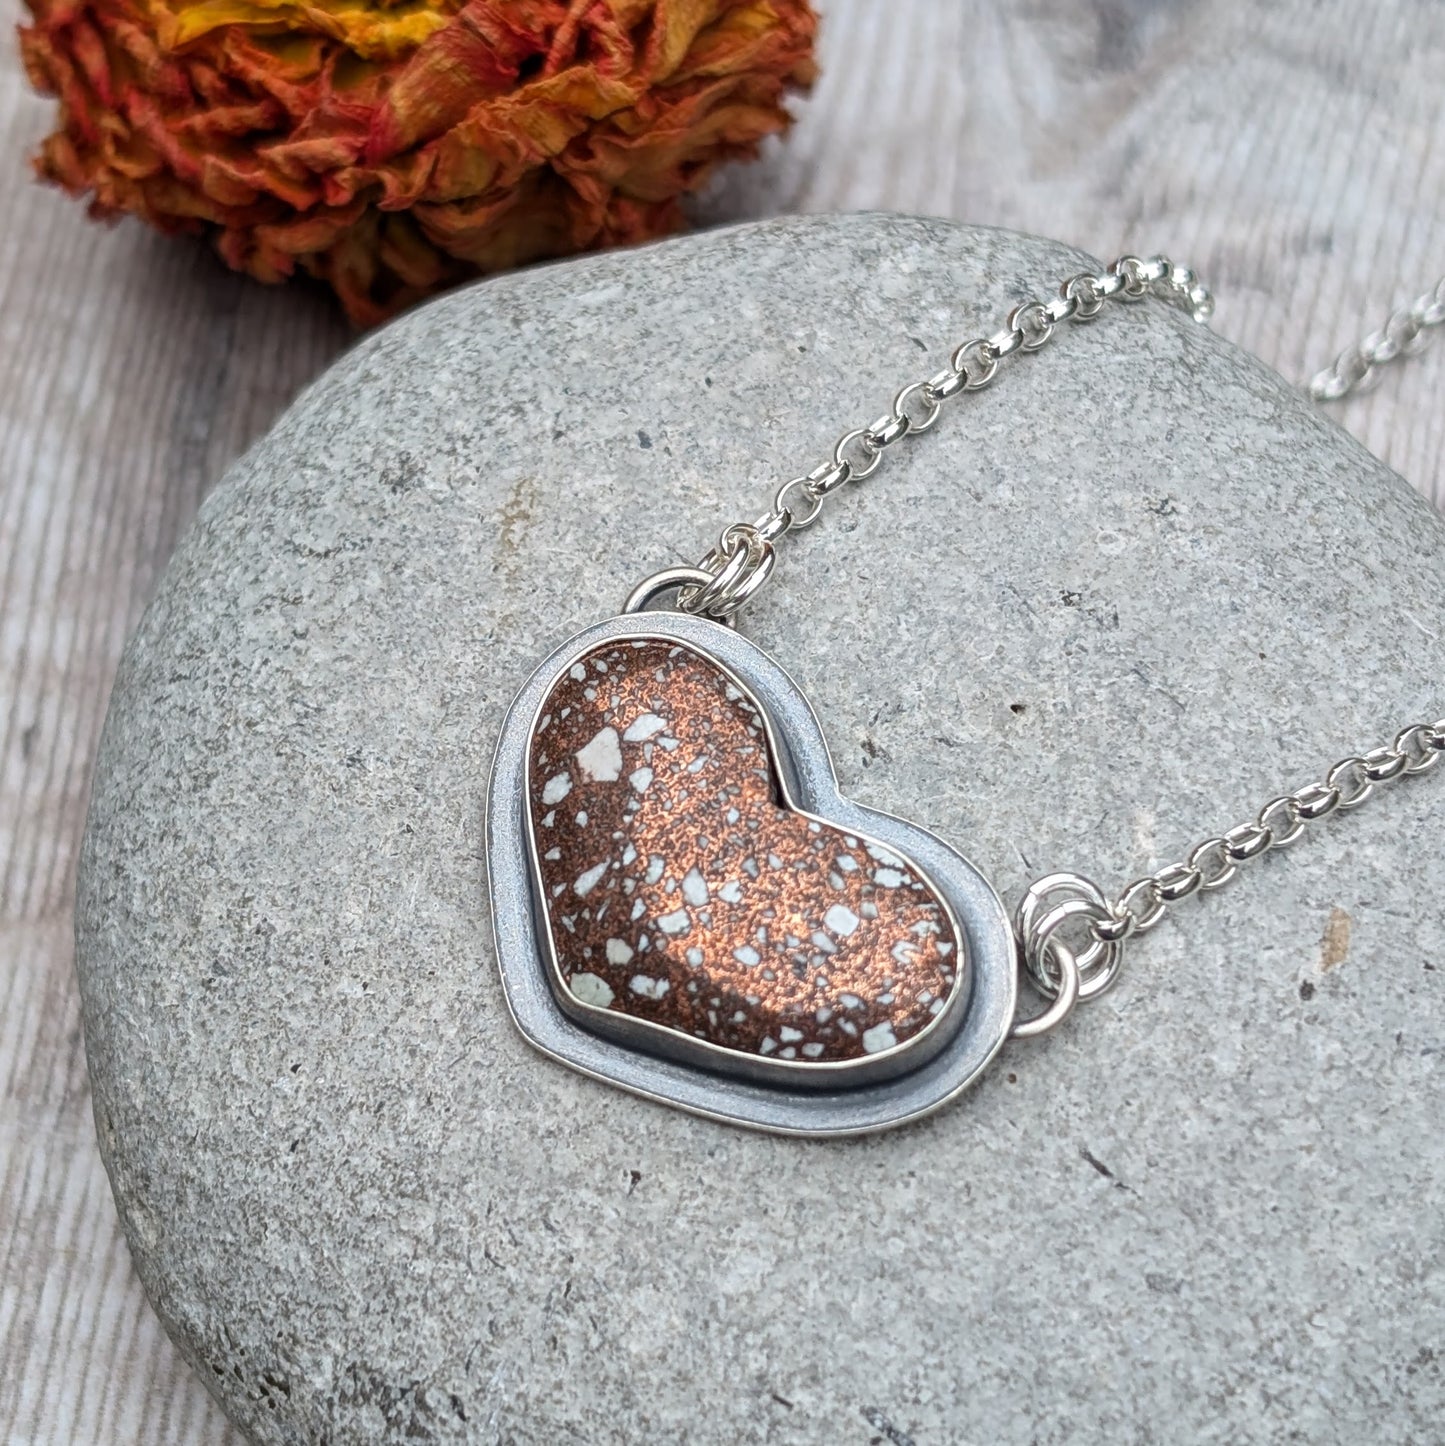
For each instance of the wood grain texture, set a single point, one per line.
(1293, 152)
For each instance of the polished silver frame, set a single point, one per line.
(523, 946)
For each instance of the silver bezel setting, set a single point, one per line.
(659, 1039)
(986, 998)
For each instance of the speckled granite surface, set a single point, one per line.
(1102, 611)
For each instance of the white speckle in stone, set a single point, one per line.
(589, 881)
(731, 892)
(823, 942)
(619, 951)
(675, 923)
(581, 818)
(638, 909)
(746, 954)
(835, 880)
(822, 1014)
(841, 920)
(887, 878)
(591, 989)
(655, 865)
(789, 1035)
(644, 727)
(774, 862)
(577, 673)
(868, 909)
(647, 986)
(640, 779)
(944, 946)
(768, 1045)
(847, 863)
(903, 953)
(601, 759)
(629, 856)
(790, 1052)
(733, 816)
(936, 1007)
(885, 856)
(850, 1001)
(750, 868)
(556, 789)
(694, 957)
(668, 743)
(552, 855)
(812, 1051)
(694, 887)
(549, 818)
(879, 1038)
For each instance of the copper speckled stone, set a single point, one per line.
(680, 890)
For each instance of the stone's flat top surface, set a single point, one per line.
(680, 891)
(1094, 617)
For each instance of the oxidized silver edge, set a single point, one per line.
(803, 754)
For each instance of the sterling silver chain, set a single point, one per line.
(1065, 907)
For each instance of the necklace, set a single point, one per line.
(684, 905)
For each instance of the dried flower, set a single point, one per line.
(393, 146)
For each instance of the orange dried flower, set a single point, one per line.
(393, 146)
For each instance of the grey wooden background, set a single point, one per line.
(1294, 152)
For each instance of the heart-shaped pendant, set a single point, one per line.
(685, 905)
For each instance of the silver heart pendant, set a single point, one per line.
(685, 906)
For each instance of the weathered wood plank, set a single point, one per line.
(1293, 152)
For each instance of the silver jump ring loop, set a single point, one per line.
(1109, 955)
(1052, 887)
(732, 565)
(749, 562)
(1064, 1000)
(670, 579)
(1038, 921)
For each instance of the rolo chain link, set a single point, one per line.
(1071, 934)
(1064, 903)
(744, 556)
(1407, 333)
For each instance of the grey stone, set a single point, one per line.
(1104, 610)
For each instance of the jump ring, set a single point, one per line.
(1063, 1002)
(670, 579)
